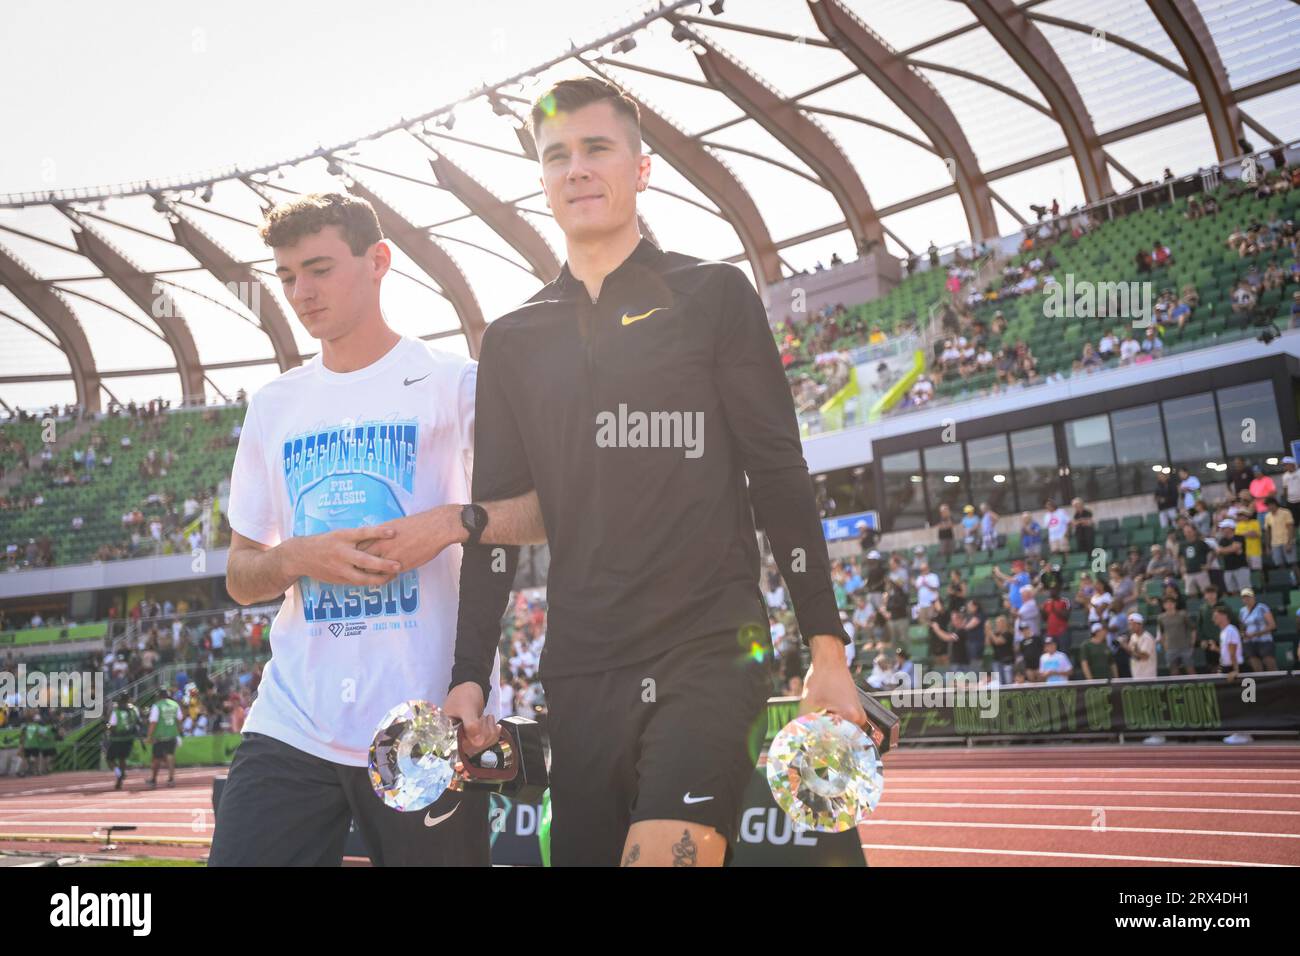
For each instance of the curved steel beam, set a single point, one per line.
(47, 304)
(139, 287)
(1031, 51)
(918, 100)
(500, 216)
(1156, 58)
(1191, 37)
(714, 178)
(430, 256)
(799, 133)
(236, 275)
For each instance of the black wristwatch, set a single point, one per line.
(474, 519)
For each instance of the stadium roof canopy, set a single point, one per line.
(782, 131)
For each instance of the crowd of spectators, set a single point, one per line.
(158, 523)
(523, 634)
(1098, 625)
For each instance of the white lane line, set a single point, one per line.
(1132, 793)
(1090, 778)
(115, 811)
(886, 803)
(1063, 855)
(1061, 826)
(97, 824)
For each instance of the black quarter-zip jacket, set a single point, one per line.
(651, 547)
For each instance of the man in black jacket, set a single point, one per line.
(642, 396)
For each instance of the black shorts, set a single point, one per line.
(283, 807)
(673, 738)
(164, 748)
(119, 749)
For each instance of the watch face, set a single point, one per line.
(474, 518)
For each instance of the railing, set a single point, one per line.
(1144, 197)
(125, 633)
(89, 734)
(856, 410)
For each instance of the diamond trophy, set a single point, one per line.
(825, 772)
(419, 753)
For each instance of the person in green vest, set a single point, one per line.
(164, 732)
(38, 744)
(123, 728)
(28, 745)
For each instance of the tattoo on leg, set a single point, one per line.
(684, 850)
(633, 855)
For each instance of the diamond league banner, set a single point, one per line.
(942, 707)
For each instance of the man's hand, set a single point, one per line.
(828, 685)
(416, 539)
(336, 558)
(465, 703)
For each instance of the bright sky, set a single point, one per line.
(95, 94)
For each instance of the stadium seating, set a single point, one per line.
(202, 462)
(1106, 254)
(909, 301)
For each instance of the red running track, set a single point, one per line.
(1134, 805)
(1083, 805)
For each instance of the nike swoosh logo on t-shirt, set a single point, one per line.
(434, 821)
(412, 381)
(689, 799)
(629, 319)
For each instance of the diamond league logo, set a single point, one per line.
(347, 630)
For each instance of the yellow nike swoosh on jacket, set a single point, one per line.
(629, 319)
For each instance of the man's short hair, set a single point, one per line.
(570, 95)
(306, 215)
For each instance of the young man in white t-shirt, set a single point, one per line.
(1230, 651)
(348, 487)
(1057, 523)
(1141, 647)
(1053, 663)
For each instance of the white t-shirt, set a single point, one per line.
(1029, 621)
(1057, 523)
(1144, 669)
(1191, 489)
(1291, 482)
(323, 450)
(1229, 637)
(927, 589)
(1056, 666)
(507, 693)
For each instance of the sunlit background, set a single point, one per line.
(110, 95)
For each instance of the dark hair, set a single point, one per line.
(569, 95)
(306, 215)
